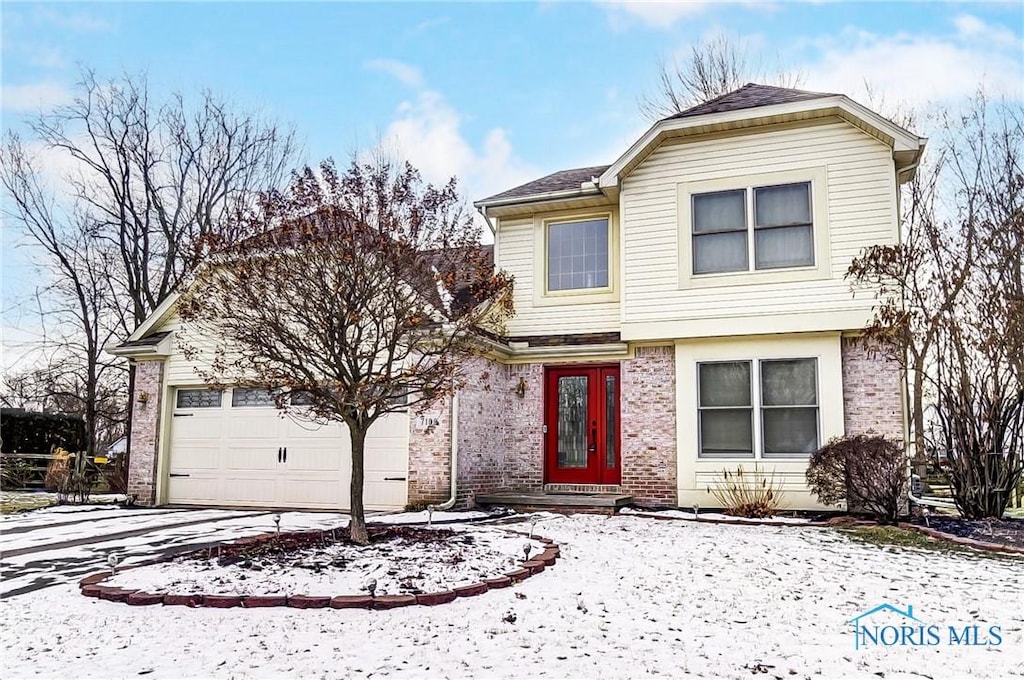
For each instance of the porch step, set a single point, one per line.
(583, 488)
(578, 502)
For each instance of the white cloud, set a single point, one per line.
(914, 70)
(33, 97)
(400, 71)
(428, 133)
(45, 57)
(78, 22)
(653, 14)
(969, 27)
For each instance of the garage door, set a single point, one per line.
(233, 447)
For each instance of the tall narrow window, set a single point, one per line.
(720, 232)
(577, 256)
(725, 410)
(789, 407)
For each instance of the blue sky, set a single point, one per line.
(494, 93)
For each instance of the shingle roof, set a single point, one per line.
(750, 96)
(562, 180)
(151, 340)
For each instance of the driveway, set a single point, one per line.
(62, 544)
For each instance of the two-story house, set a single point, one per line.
(678, 312)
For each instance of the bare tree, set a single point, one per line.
(150, 187)
(950, 304)
(364, 287)
(715, 66)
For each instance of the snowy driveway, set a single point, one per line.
(62, 544)
(631, 597)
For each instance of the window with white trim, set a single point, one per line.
(577, 254)
(785, 403)
(197, 398)
(248, 397)
(752, 229)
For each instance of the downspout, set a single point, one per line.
(448, 504)
(490, 225)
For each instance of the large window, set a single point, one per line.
(786, 400)
(756, 228)
(577, 254)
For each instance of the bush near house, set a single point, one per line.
(867, 472)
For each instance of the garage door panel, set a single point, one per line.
(251, 456)
(231, 456)
(198, 455)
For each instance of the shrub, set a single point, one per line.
(868, 472)
(748, 494)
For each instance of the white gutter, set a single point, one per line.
(448, 504)
(584, 190)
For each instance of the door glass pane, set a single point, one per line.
(726, 433)
(724, 383)
(251, 396)
(611, 413)
(572, 421)
(198, 398)
(790, 431)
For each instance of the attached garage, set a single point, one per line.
(233, 447)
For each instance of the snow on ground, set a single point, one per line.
(630, 597)
(422, 517)
(398, 567)
(713, 516)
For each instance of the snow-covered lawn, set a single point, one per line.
(630, 596)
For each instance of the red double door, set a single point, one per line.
(581, 417)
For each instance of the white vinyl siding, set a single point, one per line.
(860, 196)
(520, 253)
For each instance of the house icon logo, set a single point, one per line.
(887, 625)
(868, 634)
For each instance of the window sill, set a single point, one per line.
(579, 296)
(761, 276)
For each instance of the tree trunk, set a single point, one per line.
(357, 525)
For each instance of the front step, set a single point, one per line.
(613, 489)
(605, 503)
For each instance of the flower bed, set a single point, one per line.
(402, 566)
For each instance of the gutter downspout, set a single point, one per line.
(490, 225)
(448, 504)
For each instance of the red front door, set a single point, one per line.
(581, 418)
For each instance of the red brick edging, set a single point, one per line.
(961, 540)
(92, 586)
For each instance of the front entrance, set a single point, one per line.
(581, 421)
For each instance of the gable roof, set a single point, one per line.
(746, 107)
(556, 182)
(750, 96)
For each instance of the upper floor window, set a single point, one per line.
(756, 228)
(577, 254)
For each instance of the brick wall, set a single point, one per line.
(430, 455)
(483, 409)
(146, 425)
(648, 407)
(872, 391)
(524, 464)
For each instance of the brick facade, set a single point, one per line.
(524, 467)
(872, 391)
(483, 409)
(430, 455)
(648, 414)
(146, 425)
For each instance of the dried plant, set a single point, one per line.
(748, 493)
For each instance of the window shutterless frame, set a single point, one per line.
(577, 254)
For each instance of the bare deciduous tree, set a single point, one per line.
(950, 303)
(715, 66)
(150, 186)
(365, 286)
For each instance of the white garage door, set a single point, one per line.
(233, 447)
